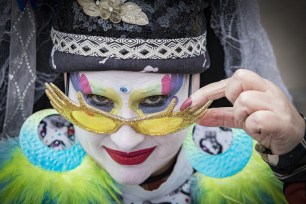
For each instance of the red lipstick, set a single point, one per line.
(129, 158)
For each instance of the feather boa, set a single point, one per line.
(22, 182)
(256, 183)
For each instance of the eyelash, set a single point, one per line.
(94, 100)
(160, 102)
(146, 104)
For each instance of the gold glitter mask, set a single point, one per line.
(101, 122)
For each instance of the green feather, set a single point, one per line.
(24, 183)
(255, 183)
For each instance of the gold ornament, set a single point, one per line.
(115, 10)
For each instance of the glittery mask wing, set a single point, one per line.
(157, 124)
(60, 101)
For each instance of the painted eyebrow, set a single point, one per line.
(82, 83)
(143, 92)
(172, 83)
(85, 84)
(75, 78)
(169, 84)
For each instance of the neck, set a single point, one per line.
(159, 177)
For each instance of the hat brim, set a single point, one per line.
(67, 62)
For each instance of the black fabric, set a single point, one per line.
(292, 166)
(44, 15)
(216, 55)
(167, 19)
(43, 102)
(66, 62)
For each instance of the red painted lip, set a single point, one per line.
(129, 158)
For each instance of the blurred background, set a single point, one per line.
(285, 23)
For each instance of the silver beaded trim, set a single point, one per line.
(124, 48)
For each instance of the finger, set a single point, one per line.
(263, 122)
(273, 131)
(244, 80)
(263, 126)
(211, 91)
(218, 117)
(225, 117)
(249, 102)
(241, 81)
(276, 90)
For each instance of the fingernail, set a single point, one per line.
(186, 104)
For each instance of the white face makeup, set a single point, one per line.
(130, 157)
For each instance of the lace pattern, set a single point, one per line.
(5, 27)
(245, 42)
(129, 48)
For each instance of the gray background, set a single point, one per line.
(285, 23)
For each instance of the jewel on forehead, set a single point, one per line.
(124, 89)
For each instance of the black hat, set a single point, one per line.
(167, 36)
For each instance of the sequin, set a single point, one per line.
(180, 19)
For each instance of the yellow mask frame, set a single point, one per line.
(101, 122)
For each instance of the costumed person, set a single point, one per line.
(123, 130)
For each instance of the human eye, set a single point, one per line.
(153, 101)
(99, 101)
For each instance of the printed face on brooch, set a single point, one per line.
(129, 156)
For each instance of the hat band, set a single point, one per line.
(126, 48)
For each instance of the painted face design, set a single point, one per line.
(128, 156)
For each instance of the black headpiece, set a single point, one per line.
(136, 35)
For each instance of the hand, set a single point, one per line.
(259, 107)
